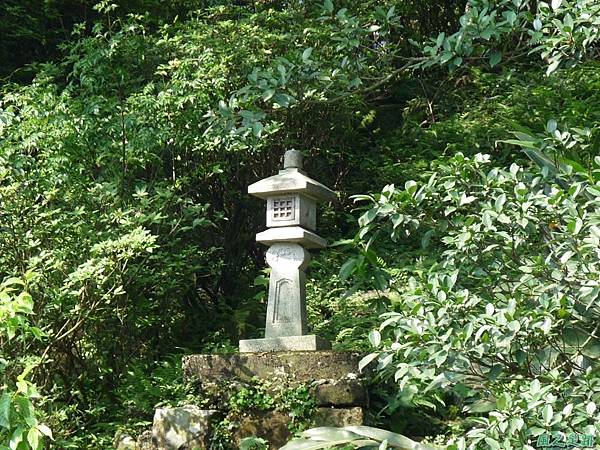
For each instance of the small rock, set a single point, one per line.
(339, 417)
(269, 425)
(341, 393)
(182, 428)
(123, 441)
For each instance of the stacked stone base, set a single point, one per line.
(334, 384)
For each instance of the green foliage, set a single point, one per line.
(253, 443)
(567, 152)
(561, 32)
(237, 400)
(123, 164)
(34, 31)
(121, 168)
(479, 112)
(502, 308)
(20, 427)
(334, 310)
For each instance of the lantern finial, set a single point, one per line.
(292, 159)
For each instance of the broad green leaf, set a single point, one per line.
(365, 361)
(567, 410)
(440, 39)
(45, 430)
(394, 439)
(481, 406)
(257, 129)
(374, 338)
(547, 414)
(492, 443)
(33, 437)
(410, 186)
(495, 58)
(5, 406)
(553, 66)
(16, 438)
(590, 408)
(329, 434)
(527, 144)
(541, 160)
(306, 54)
(303, 444)
(347, 269)
(575, 226)
(568, 22)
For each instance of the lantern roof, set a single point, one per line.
(292, 179)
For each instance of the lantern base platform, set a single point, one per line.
(308, 342)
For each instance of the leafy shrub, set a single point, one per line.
(502, 309)
(561, 32)
(20, 427)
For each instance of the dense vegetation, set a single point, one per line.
(129, 132)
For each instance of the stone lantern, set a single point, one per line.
(292, 199)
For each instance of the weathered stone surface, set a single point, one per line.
(339, 417)
(293, 159)
(269, 425)
(289, 210)
(298, 235)
(183, 428)
(333, 376)
(286, 310)
(308, 342)
(346, 392)
(273, 425)
(123, 441)
(291, 180)
(298, 366)
(144, 441)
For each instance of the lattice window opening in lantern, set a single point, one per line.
(291, 210)
(283, 209)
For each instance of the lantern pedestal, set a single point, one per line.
(307, 342)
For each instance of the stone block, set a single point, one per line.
(339, 417)
(299, 367)
(269, 425)
(345, 392)
(273, 426)
(184, 428)
(308, 342)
